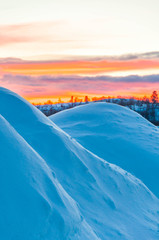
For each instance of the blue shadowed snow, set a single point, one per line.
(54, 188)
(118, 135)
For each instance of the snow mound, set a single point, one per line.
(53, 188)
(118, 135)
(33, 204)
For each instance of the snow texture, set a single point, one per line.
(54, 188)
(118, 135)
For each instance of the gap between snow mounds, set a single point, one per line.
(33, 204)
(117, 134)
(110, 199)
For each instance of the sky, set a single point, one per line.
(51, 49)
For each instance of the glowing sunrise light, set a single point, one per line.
(63, 48)
(77, 67)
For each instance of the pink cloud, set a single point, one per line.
(28, 32)
(62, 85)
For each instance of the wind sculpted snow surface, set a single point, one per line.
(118, 135)
(53, 188)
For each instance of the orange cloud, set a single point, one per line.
(53, 79)
(77, 67)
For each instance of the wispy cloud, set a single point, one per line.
(132, 56)
(46, 79)
(61, 85)
(76, 67)
(80, 76)
(124, 57)
(29, 32)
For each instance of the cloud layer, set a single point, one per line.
(76, 67)
(81, 77)
(43, 86)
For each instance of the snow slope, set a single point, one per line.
(118, 135)
(33, 205)
(53, 188)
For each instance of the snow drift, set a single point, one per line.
(117, 134)
(53, 188)
(33, 204)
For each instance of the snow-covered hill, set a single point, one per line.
(33, 204)
(117, 134)
(53, 188)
